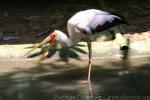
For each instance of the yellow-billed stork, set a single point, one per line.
(84, 25)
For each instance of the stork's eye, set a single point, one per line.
(53, 36)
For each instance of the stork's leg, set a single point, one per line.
(89, 65)
(90, 59)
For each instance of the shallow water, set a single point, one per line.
(111, 78)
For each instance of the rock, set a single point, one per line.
(1, 35)
(11, 38)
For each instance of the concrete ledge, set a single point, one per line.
(100, 49)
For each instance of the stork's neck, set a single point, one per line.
(63, 39)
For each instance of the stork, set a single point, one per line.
(84, 26)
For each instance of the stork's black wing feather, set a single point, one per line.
(103, 22)
(124, 21)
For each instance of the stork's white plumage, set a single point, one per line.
(85, 25)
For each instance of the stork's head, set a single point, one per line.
(56, 37)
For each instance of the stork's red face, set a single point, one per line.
(53, 39)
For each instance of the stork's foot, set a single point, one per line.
(83, 81)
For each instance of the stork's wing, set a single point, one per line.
(92, 21)
(105, 21)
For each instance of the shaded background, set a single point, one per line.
(28, 19)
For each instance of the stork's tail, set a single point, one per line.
(123, 19)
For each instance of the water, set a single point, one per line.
(57, 80)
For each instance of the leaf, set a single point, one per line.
(52, 51)
(38, 45)
(63, 54)
(48, 51)
(80, 45)
(79, 50)
(34, 55)
(73, 54)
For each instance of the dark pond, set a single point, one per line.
(111, 78)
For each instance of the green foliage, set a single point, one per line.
(64, 53)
